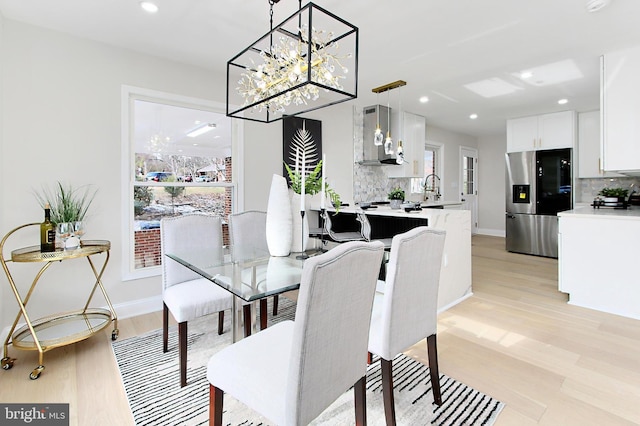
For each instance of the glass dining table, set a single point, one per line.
(247, 273)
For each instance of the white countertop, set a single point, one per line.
(632, 212)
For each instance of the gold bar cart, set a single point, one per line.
(60, 329)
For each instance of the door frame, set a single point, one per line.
(464, 152)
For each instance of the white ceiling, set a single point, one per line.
(437, 46)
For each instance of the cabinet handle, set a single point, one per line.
(534, 142)
(600, 165)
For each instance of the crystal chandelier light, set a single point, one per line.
(300, 65)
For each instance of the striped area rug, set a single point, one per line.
(151, 381)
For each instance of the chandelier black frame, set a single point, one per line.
(319, 39)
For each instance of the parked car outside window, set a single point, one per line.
(204, 178)
(159, 176)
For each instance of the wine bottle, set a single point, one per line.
(47, 232)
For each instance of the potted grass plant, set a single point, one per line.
(614, 196)
(396, 196)
(69, 207)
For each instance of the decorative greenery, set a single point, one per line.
(396, 194)
(142, 197)
(67, 204)
(313, 184)
(614, 192)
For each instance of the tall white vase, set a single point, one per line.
(279, 223)
(300, 230)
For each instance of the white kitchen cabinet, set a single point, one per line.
(620, 110)
(589, 159)
(413, 139)
(546, 131)
(594, 258)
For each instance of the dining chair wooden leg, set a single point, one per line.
(246, 319)
(360, 398)
(275, 305)
(220, 322)
(433, 368)
(216, 397)
(263, 313)
(386, 368)
(182, 338)
(165, 328)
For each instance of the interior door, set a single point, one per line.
(469, 184)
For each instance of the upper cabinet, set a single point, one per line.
(413, 139)
(589, 159)
(546, 131)
(620, 110)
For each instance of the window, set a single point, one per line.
(432, 162)
(179, 161)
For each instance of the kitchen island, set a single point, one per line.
(455, 275)
(597, 254)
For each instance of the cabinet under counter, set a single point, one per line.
(597, 253)
(455, 275)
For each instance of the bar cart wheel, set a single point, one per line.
(114, 334)
(36, 372)
(7, 363)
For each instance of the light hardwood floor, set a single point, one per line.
(515, 339)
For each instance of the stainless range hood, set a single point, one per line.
(374, 155)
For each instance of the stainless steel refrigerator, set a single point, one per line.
(539, 185)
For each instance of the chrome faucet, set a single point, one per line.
(435, 188)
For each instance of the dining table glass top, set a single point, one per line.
(247, 272)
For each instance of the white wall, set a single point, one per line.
(452, 142)
(263, 154)
(61, 114)
(4, 289)
(491, 190)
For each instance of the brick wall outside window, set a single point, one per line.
(147, 244)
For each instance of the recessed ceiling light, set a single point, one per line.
(424, 99)
(473, 116)
(148, 6)
(526, 74)
(563, 101)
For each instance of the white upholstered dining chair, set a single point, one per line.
(306, 364)
(184, 293)
(406, 306)
(248, 235)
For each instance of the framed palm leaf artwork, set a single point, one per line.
(302, 145)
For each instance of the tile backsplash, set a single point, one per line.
(587, 189)
(370, 183)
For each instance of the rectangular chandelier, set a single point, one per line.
(308, 62)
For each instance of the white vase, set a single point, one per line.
(279, 226)
(300, 230)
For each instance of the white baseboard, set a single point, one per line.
(492, 232)
(455, 302)
(138, 307)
